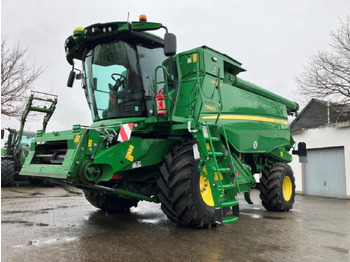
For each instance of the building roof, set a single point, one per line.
(320, 113)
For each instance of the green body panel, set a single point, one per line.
(68, 140)
(84, 148)
(3, 151)
(147, 152)
(255, 119)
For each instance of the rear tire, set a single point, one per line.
(179, 189)
(277, 187)
(110, 204)
(8, 170)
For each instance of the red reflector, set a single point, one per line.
(117, 176)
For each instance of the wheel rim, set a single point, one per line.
(205, 190)
(287, 188)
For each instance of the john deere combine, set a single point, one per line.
(179, 129)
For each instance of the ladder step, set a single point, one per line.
(40, 109)
(228, 186)
(230, 203)
(224, 170)
(215, 153)
(214, 139)
(229, 220)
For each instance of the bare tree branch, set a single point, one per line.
(327, 74)
(17, 78)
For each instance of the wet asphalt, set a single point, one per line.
(58, 224)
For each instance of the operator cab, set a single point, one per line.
(119, 62)
(119, 79)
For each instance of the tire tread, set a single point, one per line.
(8, 170)
(176, 189)
(271, 193)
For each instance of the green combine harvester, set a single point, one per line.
(179, 129)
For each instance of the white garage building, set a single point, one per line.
(325, 128)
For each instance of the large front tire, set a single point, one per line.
(110, 204)
(277, 187)
(180, 192)
(8, 170)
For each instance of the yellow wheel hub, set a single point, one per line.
(287, 188)
(204, 188)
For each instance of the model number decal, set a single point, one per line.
(209, 107)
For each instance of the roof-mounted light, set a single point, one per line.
(78, 31)
(143, 18)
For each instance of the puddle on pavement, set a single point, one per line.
(259, 213)
(17, 211)
(250, 215)
(332, 232)
(39, 211)
(73, 192)
(36, 242)
(26, 223)
(155, 221)
(42, 224)
(17, 191)
(340, 250)
(63, 206)
(272, 217)
(37, 194)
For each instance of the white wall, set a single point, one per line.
(322, 137)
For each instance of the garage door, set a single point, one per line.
(325, 172)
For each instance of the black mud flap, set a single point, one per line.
(247, 198)
(218, 215)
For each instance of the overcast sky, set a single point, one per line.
(273, 39)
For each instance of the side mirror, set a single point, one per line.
(2, 133)
(71, 78)
(169, 44)
(301, 152)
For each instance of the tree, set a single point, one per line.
(17, 77)
(327, 75)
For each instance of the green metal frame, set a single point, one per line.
(37, 96)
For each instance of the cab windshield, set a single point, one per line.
(115, 85)
(27, 137)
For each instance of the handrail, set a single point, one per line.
(165, 82)
(197, 90)
(219, 95)
(201, 100)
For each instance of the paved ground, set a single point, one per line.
(58, 224)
